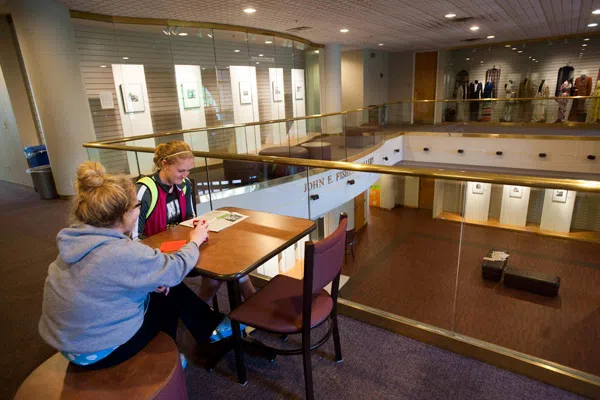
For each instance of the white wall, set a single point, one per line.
(248, 139)
(375, 85)
(191, 117)
(477, 206)
(298, 127)
(12, 160)
(387, 191)
(557, 216)
(138, 123)
(332, 218)
(514, 210)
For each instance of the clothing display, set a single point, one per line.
(493, 76)
(475, 92)
(461, 94)
(565, 91)
(595, 111)
(508, 105)
(486, 115)
(582, 87)
(539, 108)
(566, 73)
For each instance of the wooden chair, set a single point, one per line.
(153, 373)
(291, 306)
(350, 241)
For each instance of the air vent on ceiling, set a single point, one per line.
(299, 29)
(471, 39)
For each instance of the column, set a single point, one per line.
(331, 88)
(47, 42)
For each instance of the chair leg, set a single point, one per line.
(336, 337)
(308, 381)
(215, 303)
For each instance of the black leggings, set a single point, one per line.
(162, 316)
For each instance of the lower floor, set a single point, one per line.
(429, 270)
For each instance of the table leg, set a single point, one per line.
(233, 289)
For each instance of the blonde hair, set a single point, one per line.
(171, 152)
(101, 199)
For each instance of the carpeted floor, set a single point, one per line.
(377, 363)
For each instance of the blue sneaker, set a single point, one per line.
(224, 330)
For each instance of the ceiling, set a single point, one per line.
(398, 24)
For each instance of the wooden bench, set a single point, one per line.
(153, 373)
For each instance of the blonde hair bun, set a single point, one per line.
(90, 175)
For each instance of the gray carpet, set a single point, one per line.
(377, 363)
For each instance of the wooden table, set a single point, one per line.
(238, 250)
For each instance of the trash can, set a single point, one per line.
(43, 181)
(36, 156)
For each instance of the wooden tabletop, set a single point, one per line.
(239, 249)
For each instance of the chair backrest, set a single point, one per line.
(323, 259)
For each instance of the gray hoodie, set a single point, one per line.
(96, 289)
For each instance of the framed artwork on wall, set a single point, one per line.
(133, 97)
(245, 97)
(277, 92)
(477, 188)
(516, 191)
(559, 196)
(191, 95)
(299, 92)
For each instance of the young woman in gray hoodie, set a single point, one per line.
(100, 302)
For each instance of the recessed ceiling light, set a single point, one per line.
(103, 66)
(520, 51)
(529, 56)
(467, 58)
(344, 30)
(260, 55)
(236, 51)
(125, 58)
(491, 37)
(596, 12)
(583, 45)
(450, 15)
(593, 25)
(209, 35)
(183, 34)
(507, 45)
(257, 62)
(203, 69)
(268, 41)
(316, 51)
(380, 44)
(474, 28)
(586, 39)
(249, 10)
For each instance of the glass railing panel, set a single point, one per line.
(545, 304)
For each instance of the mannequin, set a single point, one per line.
(508, 105)
(493, 76)
(566, 73)
(565, 91)
(475, 90)
(461, 94)
(582, 87)
(539, 108)
(487, 105)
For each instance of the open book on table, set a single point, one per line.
(217, 220)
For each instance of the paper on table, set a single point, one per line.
(217, 220)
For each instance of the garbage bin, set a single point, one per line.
(43, 182)
(36, 156)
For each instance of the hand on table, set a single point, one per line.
(199, 234)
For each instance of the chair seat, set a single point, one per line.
(278, 307)
(153, 373)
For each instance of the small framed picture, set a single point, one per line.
(516, 192)
(191, 95)
(559, 196)
(133, 97)
(299, 91)
(477, 188)
(277, 92)
(245, 97)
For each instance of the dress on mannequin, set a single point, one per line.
(565, 90)
(461, 94)
(539, 109)
(595, 111)
(475, 90)
(583, 87)
(566, 73)
(508, 104)
(487, 105)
